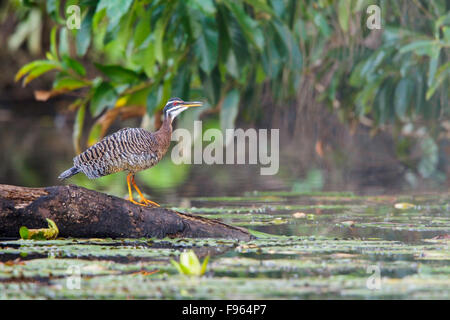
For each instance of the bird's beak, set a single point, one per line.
(192, 104)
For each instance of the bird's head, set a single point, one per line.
(175, 106)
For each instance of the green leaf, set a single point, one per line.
(74, 65)
(433, 65)
(49, 233)
(160, 28)
(344, 14)
(204, 265)
(190, 261)
(420, 47)
(83, 37)
(428, 162)
(118, 74)
(206, 47)
(147, 59)
(39, 235)
(52, 226)
(104, 96)
(94, 134)
(78, 128)
(53, 44)
(261, 5)
(383, 103)
(248, 25)
(321, 22)
(154, 100)
(291, 47)
(23, 231)
(63, 42)
(207, 7)
(114, 10)
(33, 65)
(177, 266)
(190, 265)
(68, 83)
(142, 30)
(36, 72)
(402, 97)
(52, 7)
(229, 110)
(442, 73)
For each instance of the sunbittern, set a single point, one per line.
(129, 149)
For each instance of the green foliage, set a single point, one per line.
(49, 233)
(229, 51)
(148, 51)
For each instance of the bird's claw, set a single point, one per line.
(144, 203)
(149, 202)
(138, 203)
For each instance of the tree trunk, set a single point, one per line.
(83, 213)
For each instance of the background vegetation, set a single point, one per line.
(130, 56)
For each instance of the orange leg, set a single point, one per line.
(130, 193)
(145, 201)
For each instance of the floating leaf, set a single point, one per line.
(279, 221)
(49, 233)
(348, 223)
(403, 205)
(299, 215)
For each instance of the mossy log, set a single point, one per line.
(83, 213)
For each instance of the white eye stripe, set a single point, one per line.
(175, 108)
(176, 111)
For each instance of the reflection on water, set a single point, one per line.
(343, 216)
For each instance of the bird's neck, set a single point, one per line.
(166, 126)
(164, 133)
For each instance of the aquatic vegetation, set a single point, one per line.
(40, 234)
(190, 265)
(328, 252)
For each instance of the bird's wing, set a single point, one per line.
(132, 149)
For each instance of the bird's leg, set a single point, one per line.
(130, 192)
(146, 201)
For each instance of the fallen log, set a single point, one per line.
(83, 213)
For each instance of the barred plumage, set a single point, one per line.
(129, 149)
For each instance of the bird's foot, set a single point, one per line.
(138, 203)
(147, 202)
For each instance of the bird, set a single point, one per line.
(131, 150)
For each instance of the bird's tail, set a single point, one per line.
(68, 173)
